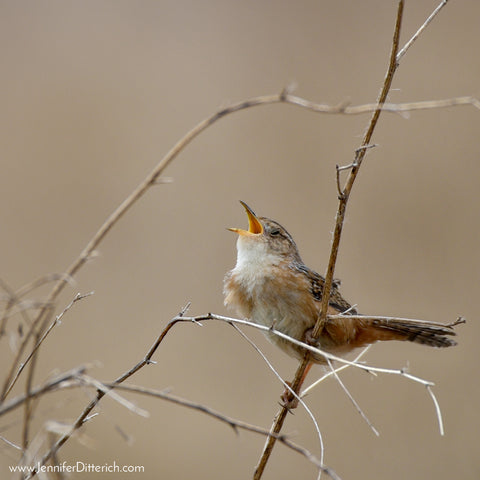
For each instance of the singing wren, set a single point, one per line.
(271, 286)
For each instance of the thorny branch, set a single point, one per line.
(57, 320)
(84, 416)
(235, 424)
(106, 389)
(77, 377)
(315, 350)
(288, 388)
(59, 382)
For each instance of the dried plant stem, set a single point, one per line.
(368, 368)
(234, 423)
(350, 397)
(289, 388)
(72, 378)
(65, 380)
(38, 326)
(13, 299)
(84, 416)
(336, 370)
(41, 338)
(29, 403)
(317, 351)
(343, 200)
(403, 51)
(105, 389)
(11, 444)
(152, 178)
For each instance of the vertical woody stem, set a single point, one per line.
(359, 156)
(340, 217)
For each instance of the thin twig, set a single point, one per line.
(41, 319)
(437, 409)
(314, 350)
(12, 300)
(65, 380)
(287, 386)
(8, 442)
(350, 397)
(234, 423)
(54, 461)
(29, 405)
(307, 390)
(318, 352)
(181, 318)
(346, 363)
(403, 51)
(22, 306)
(343, 109)
(8, 383)
(342, 205)
(57, 320)
(106, 388)
(43, 280)
(329, 357)
(82, 418)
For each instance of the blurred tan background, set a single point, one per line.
(94, 93)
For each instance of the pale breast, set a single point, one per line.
(279, 298)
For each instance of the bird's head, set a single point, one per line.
(264, 239)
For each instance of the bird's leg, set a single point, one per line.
(308, 337)
(288, 400)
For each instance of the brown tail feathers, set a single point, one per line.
(427, 333)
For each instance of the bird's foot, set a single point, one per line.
(308, 337)
(288, 400)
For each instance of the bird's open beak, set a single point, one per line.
(254, 225)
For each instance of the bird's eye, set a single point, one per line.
(275, 232)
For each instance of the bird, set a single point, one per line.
(270, 285)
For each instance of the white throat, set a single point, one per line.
(254, 262)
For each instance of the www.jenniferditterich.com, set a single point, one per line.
(78, 467)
